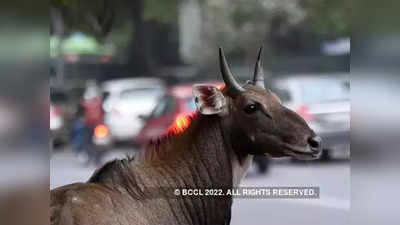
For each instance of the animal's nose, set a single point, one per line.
(315, 143)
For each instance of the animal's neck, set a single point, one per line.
(205, 149)
(201, 157)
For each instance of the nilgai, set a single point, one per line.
(213, 149)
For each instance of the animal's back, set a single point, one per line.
(92, 204)
(112, 196)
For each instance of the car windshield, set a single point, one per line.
(130, 98)
(105, 96)
(140, 93)
(322, 91)
(164, 106)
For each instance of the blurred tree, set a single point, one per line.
(147, 15)
(282, 25)
(100, 17)
(94, 17)
(326, 17)
(285, 27)
(242, 27)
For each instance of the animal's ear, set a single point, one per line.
(209, 100)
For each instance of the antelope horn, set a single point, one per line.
(233, 86)
(258, 79)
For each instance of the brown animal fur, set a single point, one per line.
(120, 192)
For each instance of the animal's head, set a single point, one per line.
(254, 117)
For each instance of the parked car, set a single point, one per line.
(177, 102)
(323, 100)
(59, 118)
(56, 119)
(124, 100)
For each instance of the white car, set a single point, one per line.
(124, 100)
(323, 100)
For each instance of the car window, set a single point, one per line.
(105, 96)
(189, 105)
(322, 91)
(140, 93)
(58, 97)
(166, 105)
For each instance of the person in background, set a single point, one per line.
(92, 104)
(94, 115)
(78, 132)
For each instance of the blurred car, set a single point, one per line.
(323, 100)
(124, 100)
(58, 118)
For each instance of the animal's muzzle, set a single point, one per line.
(315, 143)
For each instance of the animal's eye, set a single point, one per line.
(251, 108)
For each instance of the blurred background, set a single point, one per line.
(121, 73)
(128, 66)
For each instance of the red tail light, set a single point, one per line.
(220, 87)
(101, 131)
(304, 112)
(56, 111)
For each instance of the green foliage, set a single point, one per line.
(97, 17)
(59, 3)
(244, 13)
(161, 10)
(328, 17)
